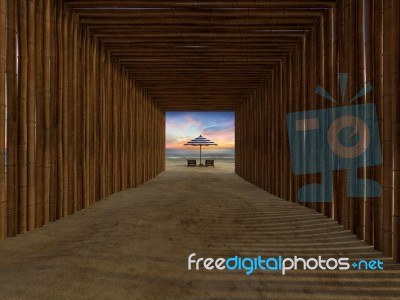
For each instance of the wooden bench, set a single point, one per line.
(191, 162)
(209, 162)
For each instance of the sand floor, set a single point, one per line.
(135, 245)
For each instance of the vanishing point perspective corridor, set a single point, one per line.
(90, 208)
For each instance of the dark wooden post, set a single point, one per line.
(3, 197)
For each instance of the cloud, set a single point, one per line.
(182, 127)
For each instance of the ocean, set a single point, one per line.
(206, 153)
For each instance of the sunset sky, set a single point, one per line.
(182, 127)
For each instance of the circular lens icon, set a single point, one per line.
(360, 128)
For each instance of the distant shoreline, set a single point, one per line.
(183, 159)
(194, 153)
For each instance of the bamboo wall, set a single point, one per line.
(335, 45)
(75, 127)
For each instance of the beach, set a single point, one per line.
(223, 165)
(224, 159)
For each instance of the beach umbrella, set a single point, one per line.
(200, 141)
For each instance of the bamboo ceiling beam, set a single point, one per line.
(291, 24)
(190, 4)
(196, 52)
(244, 26)
(197, 35)
(193, 42)
(88, 22)
(204, 46)
(190, 13)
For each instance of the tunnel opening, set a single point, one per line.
(213, 130)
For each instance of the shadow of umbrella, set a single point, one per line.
(200, 141)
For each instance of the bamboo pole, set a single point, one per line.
(99, 119)
(378, 99)
(39, 113)
(370, 70)
(396, 129)
(268, 102)
(75, 118)
(85, 161)
(162, 145)
(360, 76)
(138, 157)
(79, 120)
(116, 132)
(143, 138)
(65, 112)
(97, 123)
(124, 137)
(53, 113)
(68, 117)
(321, 77)
(273, 135)
(303, 89)
(12, 126)
(332, 58)
(78, 86)
(309, 102)
(47, 109)
(71, 124)
(92, 120)
(130, 153)
(134, 140)
(294, 101)
(103, 125)
(31, 114)
(350, 44)
(85, 64)
(22, 115)
(286, 88)
(3, 198)
(87, 120)
(281, 167)
(345, 49)
(110, 178)
(59, 134)
(387, 146)
(289, 109)
(92, 117)
(96, 118)
(297, 103)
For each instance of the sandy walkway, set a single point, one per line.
(135, 245)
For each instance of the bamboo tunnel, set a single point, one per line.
(83, 95)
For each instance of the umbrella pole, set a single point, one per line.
(200, 157)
